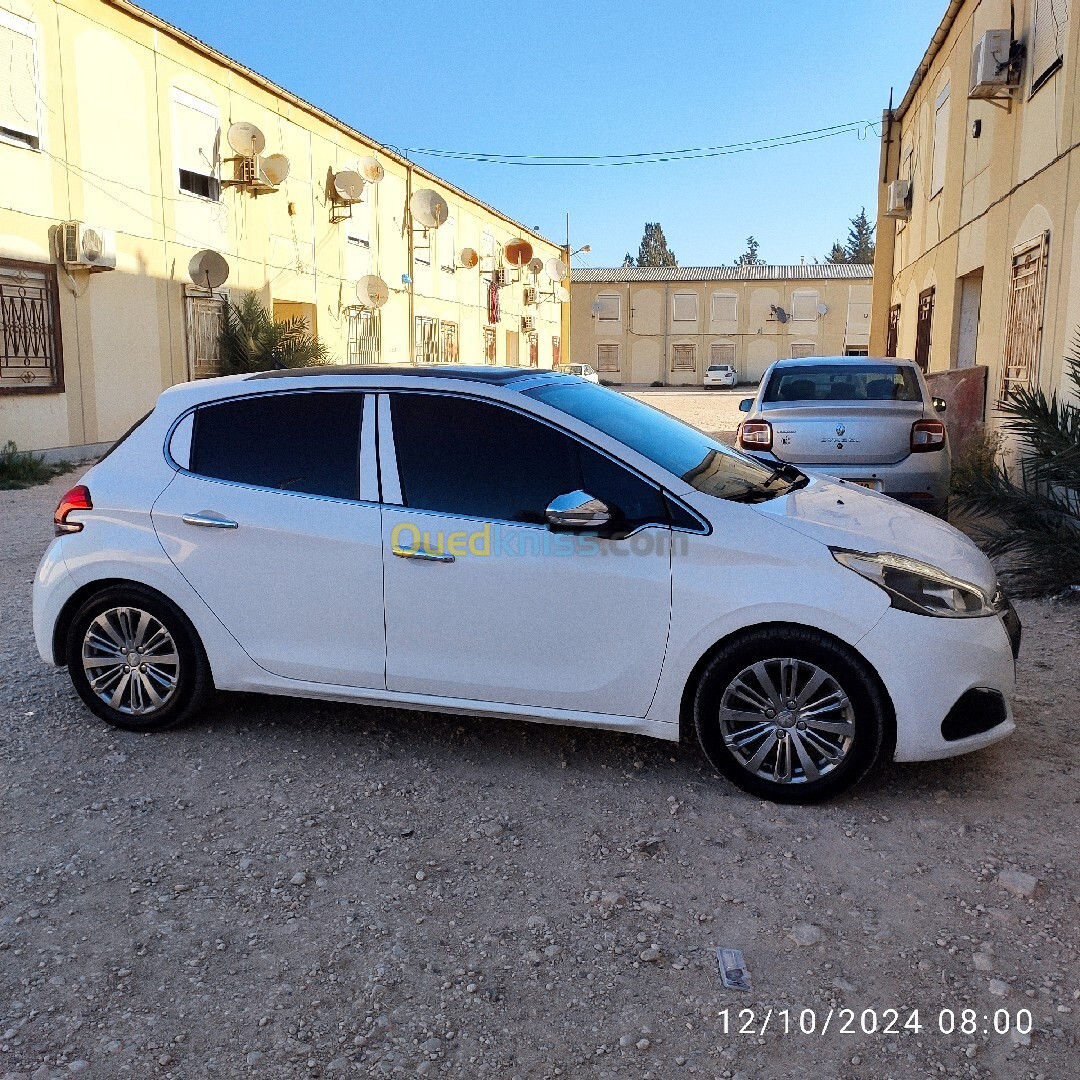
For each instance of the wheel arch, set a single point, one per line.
(686, 704)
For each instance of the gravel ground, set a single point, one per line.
(291, 889)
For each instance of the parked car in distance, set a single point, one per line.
(582, 371)
(720, 375)
(443, 538)
(870, 422)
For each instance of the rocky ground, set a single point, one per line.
(291, 889)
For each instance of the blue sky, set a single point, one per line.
(605, 77)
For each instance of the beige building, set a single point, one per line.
(978, 252)
(653, 324)
(141, 137)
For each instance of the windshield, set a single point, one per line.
(843, 382)
(704, 463)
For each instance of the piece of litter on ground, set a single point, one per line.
(733, 971)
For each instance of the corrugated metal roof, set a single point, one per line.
(800, 272)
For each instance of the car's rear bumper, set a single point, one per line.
(930, 668)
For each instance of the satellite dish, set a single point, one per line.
(518, 252)
(536, 265)
(468, 257)
(562, 294)
(428, 208)
(348, 186)
(274, 168)
(246, 139)
(370, 169)
(779, 312)
(822, 309)
(208, 269)
(372, 291)
(556, 269)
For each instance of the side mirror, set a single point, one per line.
(578, 510)
(746, 404)
(940, 404)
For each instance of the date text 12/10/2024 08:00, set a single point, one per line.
(946, 1022)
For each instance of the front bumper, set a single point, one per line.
(928, 664)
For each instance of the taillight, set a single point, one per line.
(755, 435)
(927, 435)
(78, 498)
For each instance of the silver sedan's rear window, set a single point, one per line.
(844, 382)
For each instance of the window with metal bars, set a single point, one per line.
(721, 352)
(205, 320)
(449, 336)
(31, 353)
(607, 357)
(364, 344)
(489, 344)
(924, 327)
(556, 351)
(534, 349)
(1024, 321)
(892, 334)
(683, 357)
(425, 340)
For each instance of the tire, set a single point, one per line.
(171, 680)
(773, 757)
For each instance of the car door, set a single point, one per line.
(483, 600)
(266, 523)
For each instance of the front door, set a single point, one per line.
(267, 527)
(483, 600)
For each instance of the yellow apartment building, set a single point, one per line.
(978, 251)
(128, 149)
(666, 324)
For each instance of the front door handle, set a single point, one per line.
(209, 520)
(424, 556)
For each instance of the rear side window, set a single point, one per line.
(846, 382)
(307, 443)
(473, 459)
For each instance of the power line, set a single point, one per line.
(650, 157)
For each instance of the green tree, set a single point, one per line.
(628, 259)
(253, 341)
(750, 256)
(1029, 519)
(860, 240)
(654, 250)
(837, 253)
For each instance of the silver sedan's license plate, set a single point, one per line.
(873, 485)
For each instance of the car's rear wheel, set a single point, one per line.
(790, 714)
(136, 660)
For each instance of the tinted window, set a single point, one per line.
(690, 454)
(843, 382)
(474, 459)
(308, 443)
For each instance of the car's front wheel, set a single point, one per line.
(790, 714)
(136, 660)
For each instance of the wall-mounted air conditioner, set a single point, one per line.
(527, 323)
(993, 72)
(86, 246)
(529, 294)
(499, 276)
(898, 203)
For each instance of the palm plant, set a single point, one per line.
(1029, 519)
(252, 340)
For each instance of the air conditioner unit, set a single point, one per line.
(898, 204)
(529, 293)
(245, 170)
(991, 65)
(86, 246)
(527, 323)
(499, 276)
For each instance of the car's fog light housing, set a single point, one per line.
(916, 587)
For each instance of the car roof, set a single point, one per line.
(470, 373)
(854, 361)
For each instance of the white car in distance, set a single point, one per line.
(720, 375)
(520, 544)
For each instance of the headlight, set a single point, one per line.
(914, 586)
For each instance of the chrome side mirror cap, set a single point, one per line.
(746, 404)
(578, 510)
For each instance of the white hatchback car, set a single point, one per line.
(582, 371)
(515, 543)
(719, 375)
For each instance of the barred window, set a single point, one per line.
(205, 320)
(31, 353)
(448, 335)
(1024, 322)
(489, 344)
(534, 350)
(722, 352)
(683, 357)
(607, 357)
(556, 351)
(425, 340)
(365, 336)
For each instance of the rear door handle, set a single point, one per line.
(209, 520)
(424, 556)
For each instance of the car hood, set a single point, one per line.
(848, 516)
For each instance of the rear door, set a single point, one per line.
(267, 525)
